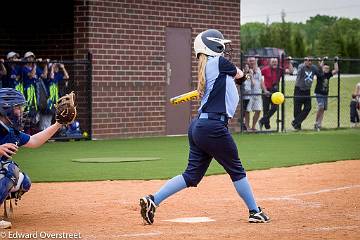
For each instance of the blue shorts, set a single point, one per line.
(322, 101)
(208, 139)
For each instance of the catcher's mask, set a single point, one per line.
(12, 105)
(210, 42)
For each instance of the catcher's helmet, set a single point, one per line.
(9, 99)
(210, 42)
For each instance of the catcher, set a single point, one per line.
(13, 182)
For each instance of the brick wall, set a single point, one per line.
(127, 40)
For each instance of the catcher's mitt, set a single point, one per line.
(65, 109)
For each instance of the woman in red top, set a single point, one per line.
(272, 75)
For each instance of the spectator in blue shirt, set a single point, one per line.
(58, 73)
(13, 74)
(30, 74)
(29, 78)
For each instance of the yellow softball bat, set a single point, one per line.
(193, 95)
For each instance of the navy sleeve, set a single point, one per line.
(227, 67)
(316, 70)
(328, 75)
(24, 138)
(58, 77)
(25, 71)
(39, 71)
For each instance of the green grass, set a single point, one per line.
(347, 86)
(53, 161)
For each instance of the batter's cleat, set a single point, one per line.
(5, 224)
(258, 217)
(148, 208)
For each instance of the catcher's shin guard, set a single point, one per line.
(23, 186)
(9, 175)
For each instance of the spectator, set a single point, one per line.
(57, 74)
(272, 74)
(3, 72)
(322, 90)
(45, 116)
(355, 107)
(34, 80)
(302, 99)
(246, 91)
(255, 103)
(30, 77)
(13, 76)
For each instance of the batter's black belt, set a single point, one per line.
(215, 116)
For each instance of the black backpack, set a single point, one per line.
(43, 95)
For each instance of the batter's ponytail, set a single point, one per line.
(201, 74)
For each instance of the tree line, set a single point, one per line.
(319, 36)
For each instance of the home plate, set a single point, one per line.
(191, 220)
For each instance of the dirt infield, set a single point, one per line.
(320, 201)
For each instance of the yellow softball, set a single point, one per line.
(277, 98)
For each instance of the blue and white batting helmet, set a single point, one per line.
(210, 42)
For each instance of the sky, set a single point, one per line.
(296, 10)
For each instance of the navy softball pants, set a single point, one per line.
(211, 139)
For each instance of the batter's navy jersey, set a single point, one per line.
(221, 95)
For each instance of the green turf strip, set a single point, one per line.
(114, 159)
(53, 161)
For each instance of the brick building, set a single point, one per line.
(142, 55)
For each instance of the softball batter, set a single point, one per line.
(208, 133)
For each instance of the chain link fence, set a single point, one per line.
(341, 86)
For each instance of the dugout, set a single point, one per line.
(141, 55)
(47, 29)
(43, 27)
